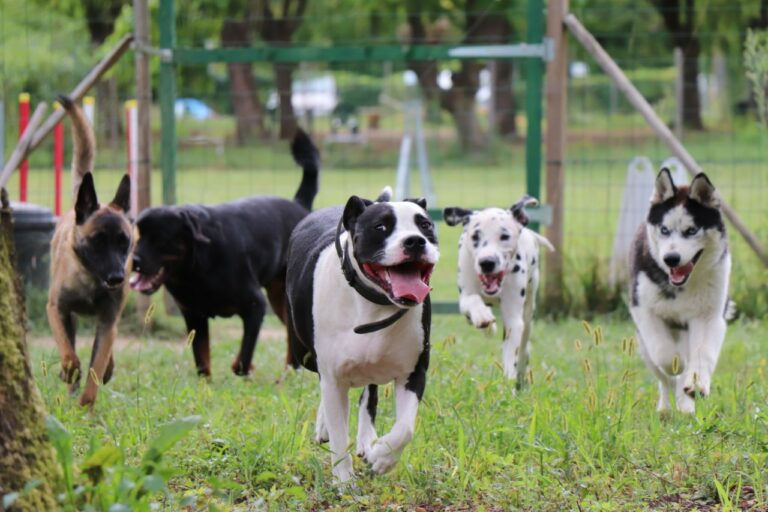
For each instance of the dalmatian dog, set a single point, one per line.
(498, 264)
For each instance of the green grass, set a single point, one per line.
(584, 435)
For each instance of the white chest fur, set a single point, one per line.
(359, 359)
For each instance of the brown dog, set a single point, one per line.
(90, 257)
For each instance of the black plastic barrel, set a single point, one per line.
(32, 231)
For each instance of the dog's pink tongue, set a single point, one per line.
(140, 283)
(407, 284)
(680, 273)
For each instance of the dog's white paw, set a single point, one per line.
(342, 471)
(321, 432)
(481, 316)
(686, 404)
(696, 384)
(381, 457)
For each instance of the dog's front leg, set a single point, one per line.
(478, 314)
(63, 329)
(252, 320)
(388, 448)
(201, 345)
(335, 402)
(515, 345)
(705, 340)
(100, 358)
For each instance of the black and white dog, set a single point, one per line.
(498, 263)
(360, 315)
(680, 266)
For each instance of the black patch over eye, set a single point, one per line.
(380, 227)
(664, 230)
(691, 231)
(504, 237)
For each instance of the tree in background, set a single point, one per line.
(27, 459)
(279, 31)
(679, 17)
(236, 31)
(484, 22)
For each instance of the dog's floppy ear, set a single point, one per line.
(518, 209)
(192, 222)
(703, 191)
(122, 197)
(418, 200)
(454, 215)
(665, 187)
(385, 196)
(86, 202)
(354, 208)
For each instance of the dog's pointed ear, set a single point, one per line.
(518, 209)
(454, 215)
(86, 202)
(703, 191)
(385, 196)
(354, 208)
(418, 200)
(192, 222)
(122, 197)
(665, 187)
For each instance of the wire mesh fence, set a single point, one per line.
(229, 116)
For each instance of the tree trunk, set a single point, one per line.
(459, 101)
(248, 110)
(691, 100)
(26, 454)
(284, 80)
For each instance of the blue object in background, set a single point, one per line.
(194, 108)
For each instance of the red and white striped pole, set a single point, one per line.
(58, 162)
(131, 127)
(24, 167)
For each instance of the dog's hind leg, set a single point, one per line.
(515, 346)
(100, 358)
(201, 345)
(63, 329)
(252, 320)
(366, 432)
(279, 302)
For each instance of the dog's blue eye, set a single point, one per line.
(691, 231)
(504, 237)
(380, 227)
(664, 230)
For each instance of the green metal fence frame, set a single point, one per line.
(535, 50)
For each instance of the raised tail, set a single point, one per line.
(308, 157)
(84, 142)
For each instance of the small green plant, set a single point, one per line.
(105, 481)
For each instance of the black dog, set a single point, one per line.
(214, 260)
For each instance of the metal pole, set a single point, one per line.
(533, 107)
(143, 103)
(167, 98)
(679, 92)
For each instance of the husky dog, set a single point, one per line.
(90, 257)
(498, 262)
(679, 267)
(359, 311)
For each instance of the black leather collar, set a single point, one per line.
(368, 293)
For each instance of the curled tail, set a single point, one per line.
(84, 142)
(308, 157)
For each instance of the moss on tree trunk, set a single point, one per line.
(26, 454)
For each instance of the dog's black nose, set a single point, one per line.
(414, 243)
(487, 266)
(115, 279)
(672, 259)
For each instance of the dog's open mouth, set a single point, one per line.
(146, 283)
(680, 274)
(406, 283)
(491, 282)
